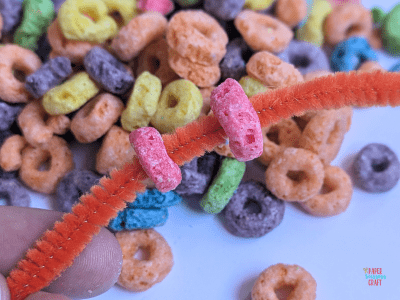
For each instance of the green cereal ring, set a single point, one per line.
(378, 15)
(252, 86)
(186, 3)
(38, 15)
(142, 103)
(70, 95)
(391, 31)
(224, 185)
(180, 103)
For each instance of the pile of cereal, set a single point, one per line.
(95, 70)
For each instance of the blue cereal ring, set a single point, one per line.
(153, 198)
(139, 218)
(351, 53)
(395, 68)
(14, 193)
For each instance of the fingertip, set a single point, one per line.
(46, 296)
(4, 291)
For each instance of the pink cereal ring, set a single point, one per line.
(149, 147)
(164, 7)
(239, 120)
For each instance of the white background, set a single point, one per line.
(212, 264)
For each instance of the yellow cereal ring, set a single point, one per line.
(180, 103)
(86, 20)
(142, 103)
(252, 86)
(70, 95)
(312, 30)
(125, 8)
(258, 4)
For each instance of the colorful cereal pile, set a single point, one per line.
(121, 73)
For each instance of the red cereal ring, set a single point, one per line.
(345, 21)
(278, 136)
(197, 36)
(141, 273)
(324, 134)
(295, 174)
(59, 157)
(281, 278)
(262, 32)
(200, 75)
(335, 195)
(13, 59)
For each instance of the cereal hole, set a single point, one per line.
(325, 189)
(273, 135)
(283, 292)
(117, 18)
(380, 165)
(153, 63)
(172, 101)
(143, 253)
(46, 164)
(251, 206)
(353, 30)
(301, 61)
(296, 176)
(90, 13)
(19, 74)
(301, 123)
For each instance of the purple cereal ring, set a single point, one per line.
(153, 157)
(239, 120)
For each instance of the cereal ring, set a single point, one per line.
(262, 32)
(258, 4)
(224, 10)
(295, 175)
(150, 149)
(14, 58)
(143, 102)
(252, 86)
(223, 186)
(197, 36)
(8, 114)
(153, 198)
(115, 151)
(139, 218)
(86, 20)
(277, 137)
(200, 75)
(233, 65)
(162, 6)
(11, 13)
(224, 150)
(96, 117)
(1, 24)
(345, 21)
(180, 103)
(61, 46)
(370, 66)
(137, 34)
(59, 124)
(206, 93)
(121, 11)
(316, 74)
(312, 30)
(284, 277)
(141, 274)
(324, 134)
(10, 153)
(14, 193)
(335, 194)
(70, 95)
(376, 168)
(253, 211)
(239, 120)
(59, 156)
(390, 31)
(291, 12)
(272, 71)
(154, 58)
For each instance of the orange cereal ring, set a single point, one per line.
(278, 136)
(137, 34)
(262, 32)
(224, 150)
(115, 151)
(316, 74)
(31, 121)
(154, 58)
(370, 66)
(324, 134)
(295, 175)
(13, 59)
(375, 39)
(280, 278)
(61, 46)
(59, 157)
(10, 153)
(1, 24)
(141, 273)
(59, 124)
(291, 12)
(335, 197)
(197, 36)
(206, 93)
(272, 71)
(345, 21)
(200, 75)
(96, 117)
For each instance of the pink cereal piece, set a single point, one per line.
(149, 147)
(162, 6)
(239, 120)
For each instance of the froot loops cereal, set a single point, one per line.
(182, 96)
